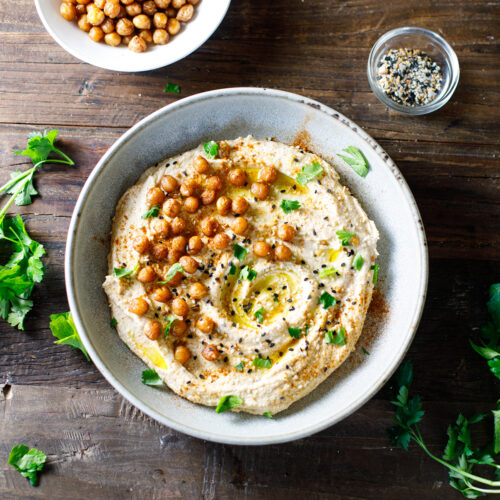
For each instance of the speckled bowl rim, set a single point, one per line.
(372, 388)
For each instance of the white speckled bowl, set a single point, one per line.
(227, 114)
(208, 15)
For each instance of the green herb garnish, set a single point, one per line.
(240, 366)
(309, 173)
(247, 273)
(113, 323)
(150, 377)
(239, 252)
(328, 271)
(228, 402)
(358, 262)
(289, 205)
(63, 327)
(262, 363)
(211, 149)
(170, 322)
(232, 269)
(27, 461)
(326, 300)
(259, 315)
(337, 338)
(365, 351)
(172, 88)
(124, 272)
(345, 236)
(152, 212)
(174, 269)
(267, 414)
(375, 269)
(294, 332)
(356, 161)
(275, 297)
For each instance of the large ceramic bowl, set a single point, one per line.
(208, 16)
(227, 114)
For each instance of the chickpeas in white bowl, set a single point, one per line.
(157, 32)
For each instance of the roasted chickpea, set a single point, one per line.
(160, 227)
(149, 7)
(124, 26)
(214, 182)
(185, 13)
(179, 244)
(197, 291)
(262, 249)
(80, 9)
(83, 2)
(112, 9)
(172, 207)
(189, 264)
(152, 329)
(83, 23)
(142, 22)
(127, 39)
(173, 26)
(176, 279)
(155, 197)
(268, 174)
(189, 187)
(127, 2)
(162, 294)
(100, 3)
(194, 2)
(138, 306)
(282, 252)
(160, 36)
(162, 4)
(182, 354)
(205, 324)
(146, 275)
(174, 256)
(160, 20)
(195, 244)
(177, 4)
(239, 225)
(208, 226)
(134, 9)
(108, 26)
(180, 307)
(113, 39)
(201, 165)
(146, 35)
(178, 225)
(221, 241)
(191, 204)
(210, 352)
(68, 11)
(96, 34)
(178, 328)
(122, 13)
(141, 243)
(95, 16)
(159, 251)
(137, 44)
(260, 190)
(239, 205)
(286, 232)
(208, 196)
(169, 184)
(224, 205)
(237, 177)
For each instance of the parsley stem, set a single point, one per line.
(59, 152)
(481, 490)
(16, 180)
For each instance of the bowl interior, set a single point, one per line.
(263, 113)
(208, 15)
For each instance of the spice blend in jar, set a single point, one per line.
(409, 77)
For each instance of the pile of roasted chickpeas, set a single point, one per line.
(134, 23)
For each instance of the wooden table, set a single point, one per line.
(99, 446)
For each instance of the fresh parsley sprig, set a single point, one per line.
(356, 161)
(63, 327)
(27, 461)
(309, 172)
(459, 457)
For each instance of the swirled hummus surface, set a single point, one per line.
(264, 312)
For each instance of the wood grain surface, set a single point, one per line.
(101, 447)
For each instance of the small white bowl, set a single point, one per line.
(208, 15)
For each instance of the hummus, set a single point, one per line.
(266, 312)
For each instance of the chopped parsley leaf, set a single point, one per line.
(239, 252)
(338, 338)
(358, 262)
(27, 461)
(232, 269)
(267, 414)
(294, 332)
(150, 377)
(113, 322)
(356, 161)
(345, 236)
(63, 327)
(170, 320)
(309, 173)
(328, 271)
(174, 269)
(123, 272)
(375, 269)
(211, 148)
(289, 205)
(275, 297)
(228, 402)
(152, 212)
(240, 366)
(326, 300)
(365, 351)
(262, 363)
(259, 315)
(247, 274)
(172, 88)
